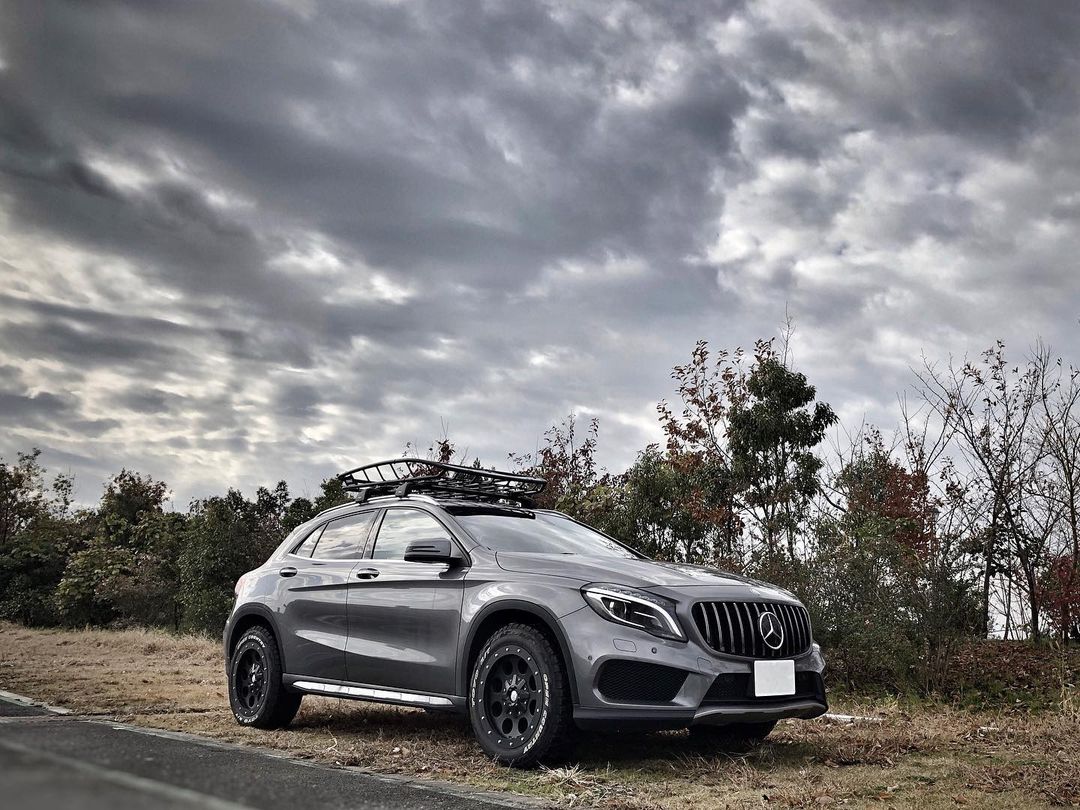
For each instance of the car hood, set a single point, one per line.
(649, 574)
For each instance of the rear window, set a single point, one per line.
(536, 532)
(304, 549)
(344, 538)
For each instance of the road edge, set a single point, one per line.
(491, 797)
(22, 700)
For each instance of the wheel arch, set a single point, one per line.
(245, 619)
(506, 611)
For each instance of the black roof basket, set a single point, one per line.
(402, 476)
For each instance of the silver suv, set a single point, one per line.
(441, 587)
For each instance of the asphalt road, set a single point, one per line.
(50, 761)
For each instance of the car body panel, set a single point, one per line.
(311, 614)
(640, 573)
(404, 626)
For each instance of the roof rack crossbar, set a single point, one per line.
(402, 476)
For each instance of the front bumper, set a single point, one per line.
(636, 719)
(662, 684)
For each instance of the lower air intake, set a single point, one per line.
(640, 682)
(738, 687)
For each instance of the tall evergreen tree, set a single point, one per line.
(772, 433)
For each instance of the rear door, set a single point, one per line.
(404, 616)
(314, 581)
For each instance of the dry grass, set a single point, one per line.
(931, 757)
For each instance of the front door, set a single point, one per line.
(404, 617)
(313, 585)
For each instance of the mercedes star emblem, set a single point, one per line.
(772, 632)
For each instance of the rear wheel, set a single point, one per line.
(256, 694)
(734, 736)
(519, 697)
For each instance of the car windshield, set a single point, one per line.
(536, 533)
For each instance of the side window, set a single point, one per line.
(305, 548)
(343, 539)
(400, 527)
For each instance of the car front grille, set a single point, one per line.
(734, 628)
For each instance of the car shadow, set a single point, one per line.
(591, 750)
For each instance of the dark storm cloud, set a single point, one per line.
(252, 240)
(144, 400)
(405, 201)
(35, 406)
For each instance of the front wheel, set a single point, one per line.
(519, 697)
(256, 694)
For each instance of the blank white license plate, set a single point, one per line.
(773, 678)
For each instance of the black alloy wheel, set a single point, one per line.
(256, 694)
(513, 696)
(519, 697)
(250, 679)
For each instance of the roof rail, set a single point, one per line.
(403, 476)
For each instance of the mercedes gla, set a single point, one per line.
(441, 587)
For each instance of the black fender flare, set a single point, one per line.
(247, 611)
(549, 619)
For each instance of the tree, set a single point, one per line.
(1059, 397)
(129, 558)
(25, 496)
(889, 583)
(652, 516)
(698, 440)
(37, 531)
(226, 536)
(742, 444)
(575, 483)
(1060, 592)
(565, 460)
(146, 590)
(772, 431)
(995, 409)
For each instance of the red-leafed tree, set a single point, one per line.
(698, 449)
(879, 487)
(576, 484)
(1060, 593)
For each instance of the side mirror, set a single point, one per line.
(434, 551)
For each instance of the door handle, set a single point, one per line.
(288, 571)
(367, 573)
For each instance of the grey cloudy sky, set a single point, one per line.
(243, 241)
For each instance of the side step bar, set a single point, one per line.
(365, 692)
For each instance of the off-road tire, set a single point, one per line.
(271, 705)
(733, 737)
(536, 665)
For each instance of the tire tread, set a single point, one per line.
(561, 731)
(281, 705)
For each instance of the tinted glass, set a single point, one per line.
(400, 527)
(536, 532)
(343, 539)
(304, 549)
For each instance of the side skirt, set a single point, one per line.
(377, 694)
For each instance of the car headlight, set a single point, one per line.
(629, 606)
